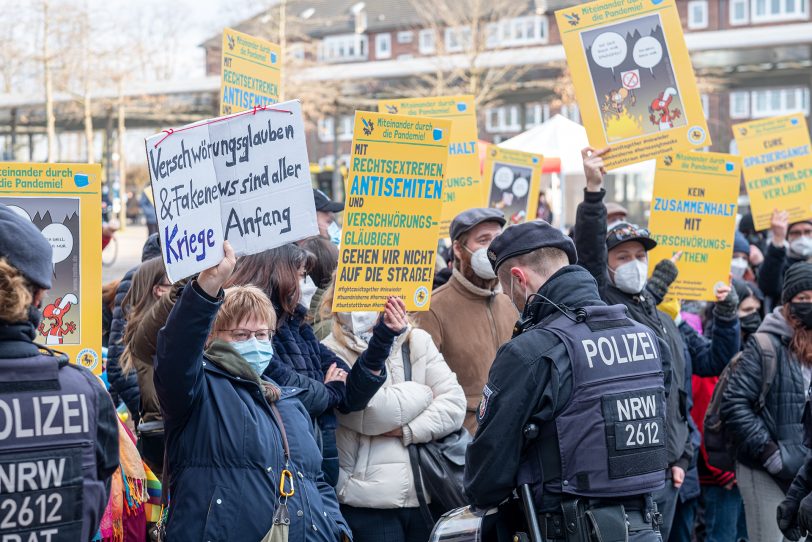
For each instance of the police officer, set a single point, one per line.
(58, 426)
(574, 406)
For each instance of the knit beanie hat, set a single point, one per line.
(797, 279)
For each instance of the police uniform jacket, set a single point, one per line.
(530, 381)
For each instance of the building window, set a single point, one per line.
(518, 31)
(296, 50)
(503, 119)
(767, 11)
(405, 37)
(571, 112)
(343, 47)
(779, 101)
(535, 114)
(383, 45)
(705, 104)
(326, 129)
(739, 104)
(739, 12)
(697, 14)
(457, 39)
(425, 40)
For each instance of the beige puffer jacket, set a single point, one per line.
(375, 470)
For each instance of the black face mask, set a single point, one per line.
(803, 312)
(750, 323)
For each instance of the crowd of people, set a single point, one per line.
(256, 412)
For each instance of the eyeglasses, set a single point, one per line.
(245, 334)
(627, 232)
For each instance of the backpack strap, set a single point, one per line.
(769, 366)
(414, 451)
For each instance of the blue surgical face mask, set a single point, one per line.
(256, 353)
(334, 231)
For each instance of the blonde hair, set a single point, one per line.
(16, 293)
(243, 302)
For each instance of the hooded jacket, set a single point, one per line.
(756, 435)
(375, 469)
(225, 446)
(468, 324)
(590, 241)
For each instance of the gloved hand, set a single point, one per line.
(665, 273)
(726, 308)
(774, 464)
(787, 516)
(805, 514)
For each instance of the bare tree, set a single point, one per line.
(50, 119)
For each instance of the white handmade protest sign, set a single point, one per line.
(244, 178)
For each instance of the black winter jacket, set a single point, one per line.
(590, 242)
(756, 435)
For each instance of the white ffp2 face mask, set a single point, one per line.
(631, 277)
(481, 264)
(738, 267)
(308, 289)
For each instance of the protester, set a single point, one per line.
(740, 265)
(544, 211)
(126, 385)
(108, 303)
(230, 432)
(376, 482)
(618, 261)
(148, 210)
(299, 359)
(615, 213)
(326, 216)
(791, 243)
(149, 284)
(321, 272)
(64, 418)
(769, 442)
(470, 317)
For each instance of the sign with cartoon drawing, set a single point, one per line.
(633, 78)
(64, 202)
(514, 179)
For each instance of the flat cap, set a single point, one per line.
(25, 248)
(528, 237)
(466, 220)
(325, 204)
(613, 208)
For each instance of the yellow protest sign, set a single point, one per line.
(64, 202)
(251, 72)
(394, 200)
(777, 167)
(633, 78)
(463, 185)
(693, 210)
(514, 181)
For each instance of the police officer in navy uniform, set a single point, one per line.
(58, 426)
(574, 406)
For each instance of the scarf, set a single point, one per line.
(223, 355)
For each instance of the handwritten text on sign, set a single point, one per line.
(394, 200)
(244, 179)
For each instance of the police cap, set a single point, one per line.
(527, 237)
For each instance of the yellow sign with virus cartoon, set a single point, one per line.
(514, 181)
(394, 192)
(633, 78)
(64, 202)
(251, 72)
(463, 181)
(777, 167)
(693, 211)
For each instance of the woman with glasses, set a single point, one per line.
(300, 360)
(790, 244)
(238, 445)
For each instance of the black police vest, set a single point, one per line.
(48, 484)
(612, 431)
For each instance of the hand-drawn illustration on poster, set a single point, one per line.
(633, 78)
(59, 221)
(513, 179)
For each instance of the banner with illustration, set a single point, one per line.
(693, 211)
(394, 202)
(514, 181)
(251, 72)
(64, 202)
(777, 167)
(633, 78)
(243, 179)
(463, 180)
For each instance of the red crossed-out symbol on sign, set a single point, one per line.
(630, 80)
